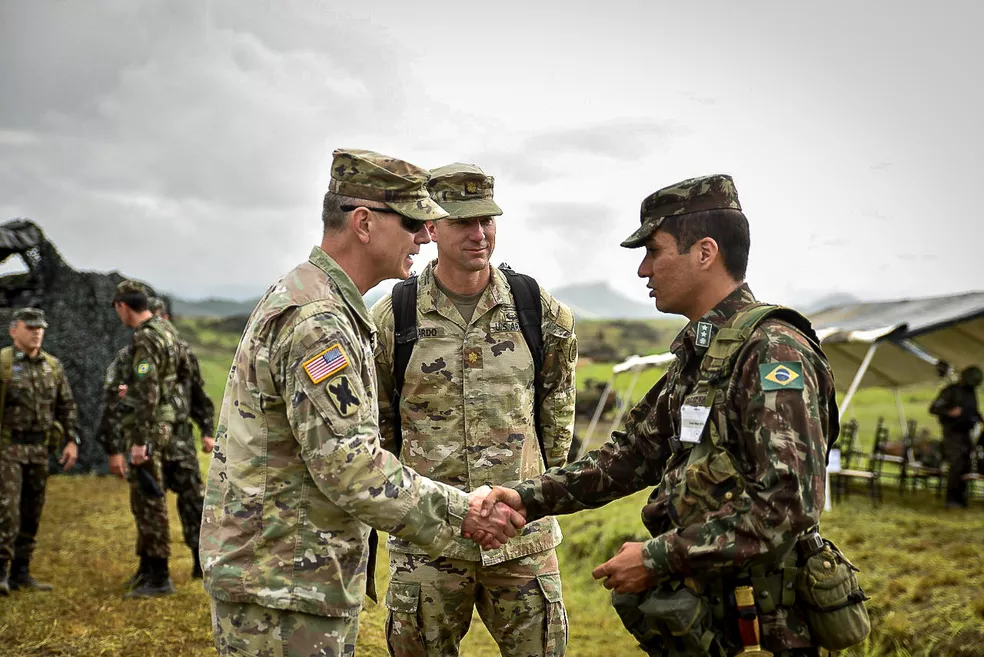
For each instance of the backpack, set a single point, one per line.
(526, 294)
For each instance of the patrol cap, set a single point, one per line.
(399, 185)
(130, 287)
(463, 190)
(32, 317)
(714, 192)
(155, 304)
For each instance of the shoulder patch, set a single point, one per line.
(143, 368)
(330, 361)
(343, 395)
(781, 376)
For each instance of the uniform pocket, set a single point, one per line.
(403, 632)
(555, 616)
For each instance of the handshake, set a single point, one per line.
(494, 516)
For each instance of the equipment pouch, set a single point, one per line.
(828, 594)
(686, 617)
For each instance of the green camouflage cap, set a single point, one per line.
(32, 317)
(155, 305)
(714, 192)
(463, 190)
(374, 177)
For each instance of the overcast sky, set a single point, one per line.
(188, 142)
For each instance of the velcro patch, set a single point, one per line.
(781, 376)
(330, 361)
(343, 396)
(143, 368)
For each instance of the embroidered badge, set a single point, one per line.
(330, 361)
(143, 368)
(781, 376)
(473, 357)
(704, 331)
(341, 394)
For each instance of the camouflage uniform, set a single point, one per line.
(298, 474)
(37, 396)
(957, 443)
(752, 483)
(466, 413)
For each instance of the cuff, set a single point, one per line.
(528, 493)
(655, 558)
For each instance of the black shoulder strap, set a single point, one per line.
(526, 294)
(405, 337)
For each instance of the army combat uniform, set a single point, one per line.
(957, 443)
(734, 439)
(298, 474)
(466, 416)
(36, 397)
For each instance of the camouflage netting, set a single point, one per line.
(83, 329)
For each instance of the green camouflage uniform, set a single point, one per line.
(298, 474)
(37, 396)
(711, 518)
(467, 420)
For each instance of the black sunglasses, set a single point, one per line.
(409, 225)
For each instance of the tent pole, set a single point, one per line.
(599, 409)
(900, 409)
(623, 407)
(857, 377)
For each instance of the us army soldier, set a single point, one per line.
(38, 413)
(298, 475)
(734, 438)
(469, 406)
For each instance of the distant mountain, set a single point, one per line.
(212, 307)
(601, 301)
(828, 301)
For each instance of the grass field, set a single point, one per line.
(922, 567)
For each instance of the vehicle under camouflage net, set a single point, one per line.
(83, 331)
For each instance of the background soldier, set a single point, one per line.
(471, 398)
(298, 475)
(37, 413)
(734, 437)
(956, 407)
(147, 423)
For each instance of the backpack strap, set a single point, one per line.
(526, 294)
(404, 338)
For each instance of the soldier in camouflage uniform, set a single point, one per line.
(734, 437)
(147, 423)
(466, 419)
(298, 474)
(38, 413)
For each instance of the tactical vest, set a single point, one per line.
(56, 433)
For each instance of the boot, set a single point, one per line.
(138, 577)
(196, 570)
(4, 584)
(20, 577)
(158, 581)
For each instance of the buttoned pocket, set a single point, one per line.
(403, 632)
(555, 616)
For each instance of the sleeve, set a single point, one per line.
(143, 393)
(201, 409)
(382, 315)
(632, 460)
(333, 416)
(943, 402)
(66, 411)
(559, 364)
(779, 450)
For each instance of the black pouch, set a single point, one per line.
(828, 594)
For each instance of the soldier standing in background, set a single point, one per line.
(956, 407)
(37, 413)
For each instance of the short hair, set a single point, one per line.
(727, 227)
(135, 300)
(332, 214)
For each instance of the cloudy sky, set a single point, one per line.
(188, 142)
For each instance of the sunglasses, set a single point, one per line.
(409, 225)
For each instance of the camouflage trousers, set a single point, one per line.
(430, 604)
(184, 477)
(150, 513)
(23, 477)
(248, 629)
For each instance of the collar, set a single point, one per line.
(432, 299)
(343, 282)
(697, 336)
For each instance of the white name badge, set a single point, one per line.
(692, 421)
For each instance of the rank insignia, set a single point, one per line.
(472, 357)
(341, 394)
(330, 361)
(781, 376)
(704, 332)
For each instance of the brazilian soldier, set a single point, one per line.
(147, 424)
(734, 437)
(956, 407)
(298, 476)
(37, 413)
(182, 472)
(474, 410)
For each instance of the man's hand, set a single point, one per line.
(494, 529)
(69, 456)
(956, 411)
(138, 454)
(117, 465)
(121, 390)
(626, 572)
(208, 444)
(504, 495)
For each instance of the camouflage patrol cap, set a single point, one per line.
(32, 317)
(714, 192)
(130, 287)
(155, 304)
(463, 190)
(374, 177)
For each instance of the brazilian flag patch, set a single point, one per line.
(781, 376)
(143, 368)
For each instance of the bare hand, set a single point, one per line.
(494, 528)
(138, 454)
(208, 444)
(626, 572)
(504, 495)
(117, 465)
(69, 456)
(121, 391)
(956, 411)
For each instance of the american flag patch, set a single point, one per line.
(328, 362)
